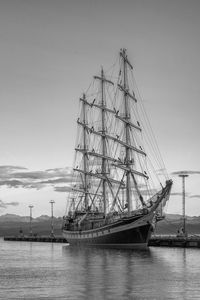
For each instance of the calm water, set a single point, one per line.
(57, 271)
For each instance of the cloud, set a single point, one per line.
(146, 192)
(20, 177)
(6, 171)
(64, 189)
(6, 204)
(50, 173)
(176, 194)
(30, 175)
(11, 183)
(8, 168)
(58, 180)
(161, 171)
(179, 194)
(188, 172)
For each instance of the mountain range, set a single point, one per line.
(11, 224)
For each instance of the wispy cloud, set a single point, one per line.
(6, 204)
(16, 176)
(7, 171)
(145, 192)
(175, 194)
(63, 189)
(179, 194)
(57, 180)
(11, 183)
(187, 172)
(161, 171)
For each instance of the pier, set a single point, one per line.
(175, 241)
(45, 239)
(155, 241)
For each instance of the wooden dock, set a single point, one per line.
(174, 241)
(45, 239)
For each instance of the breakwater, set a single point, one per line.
(156, 241)
(45, 239)
(174, 241)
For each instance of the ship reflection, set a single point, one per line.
(106, 273)
(131, 274)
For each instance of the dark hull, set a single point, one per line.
(129, 233)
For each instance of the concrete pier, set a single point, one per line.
(174, 241)
(45, 239)
(155, 241)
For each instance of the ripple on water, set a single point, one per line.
(57, 271)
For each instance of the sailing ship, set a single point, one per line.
(114, 200)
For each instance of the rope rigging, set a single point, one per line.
(114, 101)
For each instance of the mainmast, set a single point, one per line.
(127, 126)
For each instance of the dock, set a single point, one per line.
(155, 241)
(175, 241)
(45, 239)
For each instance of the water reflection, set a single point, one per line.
(107, 273)
(158, 273)
(55, 271)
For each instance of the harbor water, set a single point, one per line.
(57, 271)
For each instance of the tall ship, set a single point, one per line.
(119, 185)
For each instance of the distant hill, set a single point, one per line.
(13, 218)
(173, 222)
(11, 224)
(16, 218)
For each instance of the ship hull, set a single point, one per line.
(129, 233)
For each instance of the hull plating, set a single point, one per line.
(132, 235)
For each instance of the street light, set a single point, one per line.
(183, 176)
(52, 231)
(30, 232)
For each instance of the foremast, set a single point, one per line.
(103, 80)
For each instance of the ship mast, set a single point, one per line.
(85, 153)
(103, 108)
(127, 126)
(103, 167)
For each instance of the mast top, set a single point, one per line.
(124, 55)
(183, 175)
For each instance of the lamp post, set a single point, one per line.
(52, 231)
(30, 230)
(183, 176)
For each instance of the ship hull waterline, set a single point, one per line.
(135, 234)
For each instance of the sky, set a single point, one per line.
(49, 52)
